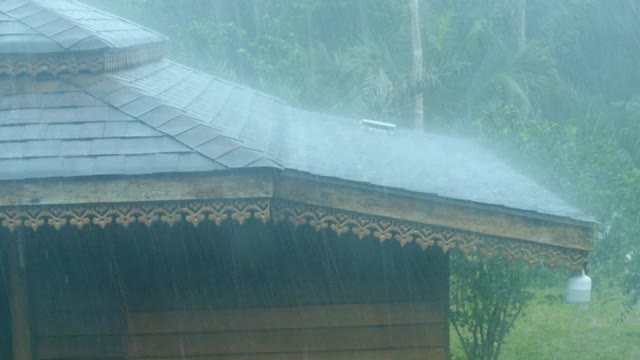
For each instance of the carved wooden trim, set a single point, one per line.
(72, 63)
(384, 229)
(194, 212)
(318, 217)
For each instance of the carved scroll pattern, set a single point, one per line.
(80, 62)
(51, 64)
(102, 215)
(319, 218)
(426, 236)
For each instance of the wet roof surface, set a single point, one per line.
(164, 117)
(57, 26)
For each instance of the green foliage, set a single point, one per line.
(487, 297)
(553, 329)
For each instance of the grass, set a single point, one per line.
(551, 329)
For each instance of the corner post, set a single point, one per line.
(18, 297)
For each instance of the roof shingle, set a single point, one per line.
(63, 26)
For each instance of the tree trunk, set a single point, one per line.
(522, 24)
(417, 71)
(521, 42)
(365, 31)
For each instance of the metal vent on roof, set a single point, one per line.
(378, 126)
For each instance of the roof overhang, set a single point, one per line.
(300, 199)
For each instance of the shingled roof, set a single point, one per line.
(164, 117)
(46, 26)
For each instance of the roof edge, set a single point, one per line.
(266, 181)
(221, 196)
(583, 220)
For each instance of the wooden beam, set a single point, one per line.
(438, 213)
(487, 220)
(137, 189)
(18, 298)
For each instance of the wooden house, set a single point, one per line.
(152, 211)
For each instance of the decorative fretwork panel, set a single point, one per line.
(194, 212)
(297, 214)
(87, 62)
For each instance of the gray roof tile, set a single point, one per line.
(22, 101)
(239, 157)
(160, 115)
(15, 28)
(56, 27)
(186, 91)
(69, 99)
(28, 43)
(75, 131)
(106, 24)
(212, 100)
(20, 116)
(197, 136)
(76, 148)
(71, 37)
(77, 166)
(64, 131)
(217, 147)
(9, 86)
(133, 74)
(108, 164)
(59, 115)
(89, 43)
(104, 87)
(178, 125)
(99, 113)
(11, 150)
(39, 19)
(129, 129)
(25, 11)
(42, 148)
(190, 162)
(22, 132)
(149, 145)
(136, 164)
(141, 106)
(137, 129)
(9, 5)
(44, 167)
(163, 159)
(116, 129)
(158, 82)
(122, 96)
(12, 168)
(105, 146)
(92, 130)
(264, 162)
(117, 115)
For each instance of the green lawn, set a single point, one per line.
(551, 329)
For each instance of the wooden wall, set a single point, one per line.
(75, 298)
(362, 331)
(5, 316)
(234, 292)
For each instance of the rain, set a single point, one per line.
(319, 179)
